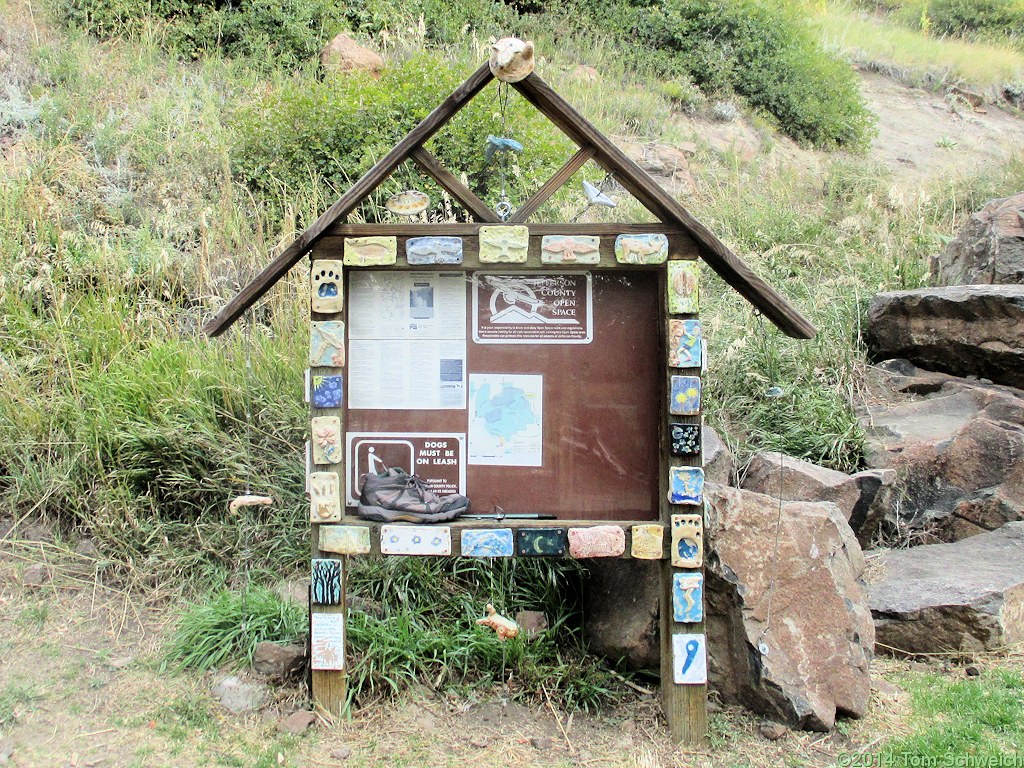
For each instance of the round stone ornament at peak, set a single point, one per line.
(511, 59)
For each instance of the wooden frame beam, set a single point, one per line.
(552, 185)
(431, 166)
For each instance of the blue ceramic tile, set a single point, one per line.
(434, 250)
(688, 597)
(541, 542)
(685, 399)
(684, 343)
(685, 439)
(686, 485)
(327, 344)
(687, 541)
(689, 660)
(325, 582)
(326, 392)
(495, 542)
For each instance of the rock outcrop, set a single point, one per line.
(343, 55)
(277, 660)
(957, 446)
(620, 603)
(866, 498)
(789, 630)
(719, 463)
(990, 247)
(964, 330)
(965, 596)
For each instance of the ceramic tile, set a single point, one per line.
(597, 541)
(687, 541)
(685, 397)
(345, 539)
(683, 288)
(325, 582)
(327, 640)
(504, 244)
(688, 597)
(684, 344)
(570, 249)
(685, 485)
(541, 542)
(415, 540)
(326, 286)
(327, 344)
(326, 432)
(326, 391)
(641, 249)
(648, 542)
(689, 660)
(324, 497)
(371, 251)
(490, 542)
(434, 250)
(685, 439)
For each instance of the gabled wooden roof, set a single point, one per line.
(593, 145)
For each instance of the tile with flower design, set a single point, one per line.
(683, 288)
(327, 344)
(684, 343)
(326, 432)
(685, 400)
(415, 540)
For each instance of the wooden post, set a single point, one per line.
(685, 706)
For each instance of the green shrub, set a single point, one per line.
(307, 133)
(761, 50)
(976, 18)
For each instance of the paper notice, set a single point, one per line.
(506, 419)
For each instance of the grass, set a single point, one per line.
(15, 700)
(880, 40)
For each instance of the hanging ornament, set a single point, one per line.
(511, 59)
(596, 197)
(408, 203)
(497, 144)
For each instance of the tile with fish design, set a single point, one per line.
(492, 542)
(327, 344)
(327, 291)
(597, 541)
(325, 582)
(683, 287)
(685, 485)
(378, 251)
(570, 249)
(326, 431)
(684, 343)
(345, 539)
(688, 597)
(324, 497)
(504, 244)
(327, 641)
(541, 542)
(641, 249)
(326, 391)
(433, 250)
(415, 540)
(685, 439)
(687, 541)
(685, 400)
(648, 542)
(689, 659)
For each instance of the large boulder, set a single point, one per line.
(956, 445)
(344, 55)
(990, 247)
(620, 603)
(965, 330)
(719, 464)
(789, 630)
(866, 498)
(965, 596)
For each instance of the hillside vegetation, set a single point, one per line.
(153, 155)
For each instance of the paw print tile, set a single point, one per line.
(326, 286)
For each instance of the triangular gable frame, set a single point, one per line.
(593, 145)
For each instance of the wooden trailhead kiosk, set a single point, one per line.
(535, 367)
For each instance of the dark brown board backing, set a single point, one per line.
(600, 411)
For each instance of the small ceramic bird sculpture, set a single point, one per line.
(511, 59)
(505, 628)
(596, 197)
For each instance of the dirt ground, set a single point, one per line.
(81, 686)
